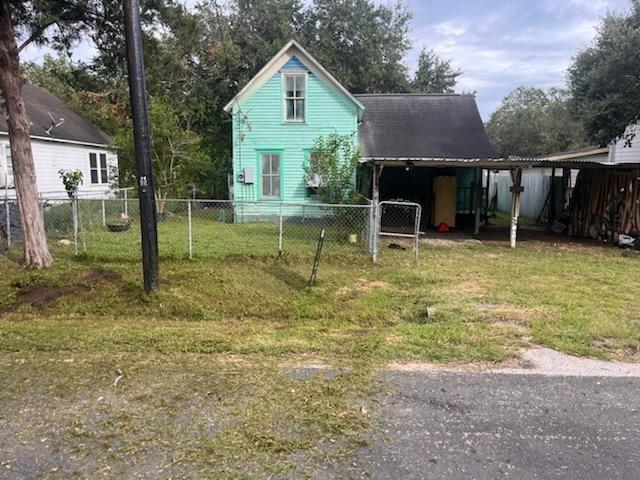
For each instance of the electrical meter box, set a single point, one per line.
(246, 175)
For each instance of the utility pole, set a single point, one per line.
(142, 140)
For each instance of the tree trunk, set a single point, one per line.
(36, 250)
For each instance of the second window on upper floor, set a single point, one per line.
(294, 97)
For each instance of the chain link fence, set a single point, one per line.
(109, 229)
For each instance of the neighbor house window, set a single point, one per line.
(8, 166)
(270, 174)
(294, 97)
(98, 167)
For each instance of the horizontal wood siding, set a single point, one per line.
(261, 119)
(621, 153)
(51, 157)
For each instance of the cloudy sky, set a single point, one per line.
(498, 44)
(502, 44)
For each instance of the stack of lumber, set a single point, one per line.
(606, 199)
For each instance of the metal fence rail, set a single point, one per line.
(109, 228)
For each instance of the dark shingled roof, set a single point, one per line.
(39, 103)
(423, 126)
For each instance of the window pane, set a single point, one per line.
(103, 160)
(275, 164)
(266, 160)
(299, 91)
(92, 160)
(103, 177)
(290, 85)
(290, 109)
(9, 161)
(94, 176)
(266, 187)
(299, 109)
(275, 184)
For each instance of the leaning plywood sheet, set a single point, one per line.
(444, 189)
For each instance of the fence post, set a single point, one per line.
(74, 221)
(126, 204)
(417, 231)
(376, 221)
(280, 232)
(104, 214)
(190, 230)
(7, 209)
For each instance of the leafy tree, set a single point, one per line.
(361, 42)
(98, 102)
(533, 122)
(434, 75)
(57, 23)
(176, 152)
(604, 79)
(332, 163)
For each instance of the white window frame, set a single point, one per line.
(4, 164)
(99, 168)
(270, 175)
(285, 98)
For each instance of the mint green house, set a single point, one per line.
(277, 117)
(406, 141)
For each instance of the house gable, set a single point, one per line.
(291, 56)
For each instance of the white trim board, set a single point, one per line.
(63, 140)
(290, 50)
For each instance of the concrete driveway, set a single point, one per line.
(461, 425)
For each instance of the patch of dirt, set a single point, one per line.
(509, 315)
(472, 287)
(534, 361)
(424, 366)
(41, 296)
(360, 286)
(97, 276)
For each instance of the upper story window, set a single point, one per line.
(98, 168)
(294, 96)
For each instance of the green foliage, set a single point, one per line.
(71, 179)
(533, 121)
(434, 75)
(197, 59)
(604, 78)
(361, 42)
(332, 162)
(176, 152)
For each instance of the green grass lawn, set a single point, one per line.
(220, 328)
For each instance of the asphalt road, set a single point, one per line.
(490, 426)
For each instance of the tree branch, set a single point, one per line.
(34, 35)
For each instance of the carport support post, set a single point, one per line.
(476, 229)
(551, 212)
(516, 189)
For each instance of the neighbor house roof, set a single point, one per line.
(40, 104)
(290, 50)
(422, 127)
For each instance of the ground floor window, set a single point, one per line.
(98, 168)
(270, 169)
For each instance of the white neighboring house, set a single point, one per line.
(60, 139)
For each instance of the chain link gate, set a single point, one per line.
(397, 219)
